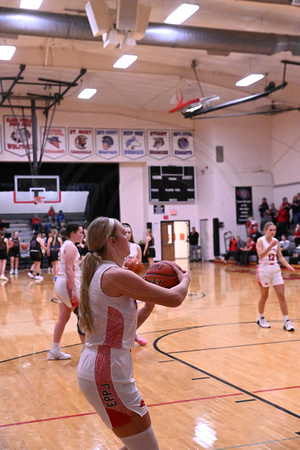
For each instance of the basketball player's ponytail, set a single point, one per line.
(97, 236)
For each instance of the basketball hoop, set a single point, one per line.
(38, 201)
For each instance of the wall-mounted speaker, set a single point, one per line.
(149, 225)
(98, 16)
(219, 153)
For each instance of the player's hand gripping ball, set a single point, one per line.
(163, 274)
(135, 265)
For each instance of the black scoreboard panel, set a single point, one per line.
(171, 184)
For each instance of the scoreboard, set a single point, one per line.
(171, 184)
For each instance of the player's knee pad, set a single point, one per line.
(145, 440)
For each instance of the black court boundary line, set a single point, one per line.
(233, 346)
(215, 377)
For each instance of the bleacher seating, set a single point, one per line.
(22, 224)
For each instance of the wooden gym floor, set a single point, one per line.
(212, 379)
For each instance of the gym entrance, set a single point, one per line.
(174, 244)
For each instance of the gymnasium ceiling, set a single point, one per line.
(256, 36)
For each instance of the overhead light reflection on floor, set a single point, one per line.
(204, 436)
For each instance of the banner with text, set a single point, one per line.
(55, 145)
(81, 142)
(159, 143)
(17, 135)
(133, 143)
(107, 143)
(244, 207)
(183, 144)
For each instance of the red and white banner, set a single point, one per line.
(18, 135)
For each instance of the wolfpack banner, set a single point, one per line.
(55, 145)
(17, 134)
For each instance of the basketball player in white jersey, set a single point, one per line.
(269, 274)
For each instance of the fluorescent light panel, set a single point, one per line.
(250, 79)
(30, 4)
(87, 93)
(181, 14)
(125, 61)
(6, 52)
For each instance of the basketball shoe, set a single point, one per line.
(288, 326)
(140, 340)
(261, 321)
(58, 354)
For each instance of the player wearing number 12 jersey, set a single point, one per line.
(269, 274)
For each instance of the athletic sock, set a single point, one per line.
(55, 346)
(286, 318)
(261, 315)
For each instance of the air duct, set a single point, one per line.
(215, 41)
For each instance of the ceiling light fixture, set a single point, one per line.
(87, 93)
(30, 4)
(181, 14)
(250, 79)
(6, 52)
(125, 61)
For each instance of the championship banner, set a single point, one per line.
(55, 145)
(107, 143)
(17, 132)
(183, 144)
(243, 200)
(133, 143)
(80, 142)
(159, 143)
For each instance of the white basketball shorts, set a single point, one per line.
(269, 275)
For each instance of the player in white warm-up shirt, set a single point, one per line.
(269, 274)
(109, 316)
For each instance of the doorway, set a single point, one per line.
(174, 244)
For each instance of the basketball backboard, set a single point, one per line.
(29, 188)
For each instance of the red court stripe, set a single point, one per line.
(149, 406)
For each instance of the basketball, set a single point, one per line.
(162, 273)
(135, 265)
(11, 244)
(24, 246)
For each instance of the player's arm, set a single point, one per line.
(6, 243)
(139, 253)
(144, 313)
(283, 261)
(260, 248)
(146, 244)
(40, 241)
(70, 256)
(48, 246)
(116, 282)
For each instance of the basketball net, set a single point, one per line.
(39, 201)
